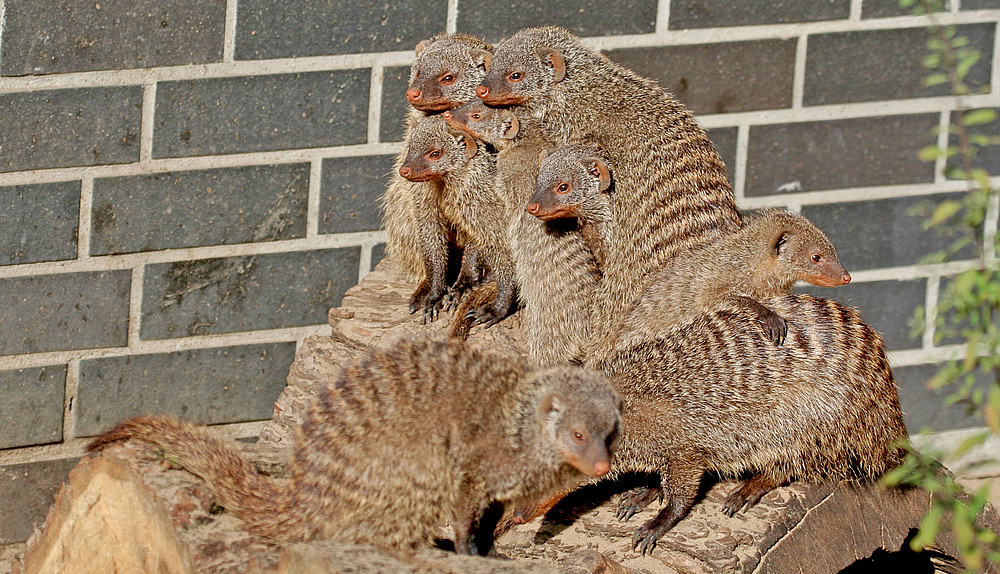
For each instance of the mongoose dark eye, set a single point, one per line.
(434, 154)
(563, 188)
(476, 116)
(578, 436)
(816, 257)
(515, 76)
(447, 79)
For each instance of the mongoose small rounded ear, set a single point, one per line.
(422, 45)
(544, 153)
(778, 244)
(470, 146)
(548, 407)
(553, 59)
(596, 167)
(511, 126)
(487, 58)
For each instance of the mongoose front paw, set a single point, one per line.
(775, 327)
(428, 299)
(636, 499)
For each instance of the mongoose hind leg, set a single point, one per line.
(749, 493)
(636, 499)
(495, 311)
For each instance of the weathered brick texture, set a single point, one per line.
(186, 187)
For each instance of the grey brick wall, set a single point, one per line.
(187, 187)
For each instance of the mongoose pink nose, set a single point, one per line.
(601, 468)
(404, 171)
(533, 208)
(846, 278)
(482, 91)
(413, 95)
(446, 115)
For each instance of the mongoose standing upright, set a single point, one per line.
(717, 395)
(461, 196)
(769, 253)
(672, 191)
(556, 273)
(445, 74)
(406, 438)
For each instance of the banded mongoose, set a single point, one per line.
(672, 191)
(406, 438)
(462, 196)
(447, 69)
(717, 395)
(557, 275)
(764, 258)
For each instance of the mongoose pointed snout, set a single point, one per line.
(482, 91)
(846, 278)
(413, 95)
(405, 171)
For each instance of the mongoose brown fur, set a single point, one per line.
(672, 191)
(764, 258)
(717, 395)
(406, 438)
(463, 197)
(557, 275)
(447, 69)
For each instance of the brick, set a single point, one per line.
(252, 293)
(193, 208)
(395, 82)
(810, 156)
(486, 19)
(724, 140)
(712, 13)
(40, 222)
(886, 306)
(73, 36)
(261, 113)
(349, 197)
(26, 493)
(31, 406)
(378, 253)
(63, 312)
(296, 28)
(69, 128)
(980, 4)
(927, 409)
(879, 233)
(884, 9)
(987, 157)
(208, 386)
(719, 78)
(882, 65)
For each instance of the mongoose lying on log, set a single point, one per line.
(462, 197)
(764, 258)
(672, 191)
(717, 395)
(556, 274)
(406, 438)
(447, 69)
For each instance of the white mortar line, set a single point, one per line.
(229, 36)
(197, 163)
(799, 73)
(992, 221)
(147, 123)
(159, 346)
(365, 264)
(135, 306)
(86, 210)
(995, 84)
(69, 398)
(313, 202)
(853, 194)
(910, 357)
(131, 260)
(941, 162)
(3, 25)
(855, 14)
(910, 272)
(451, 22)
(662, 26)
(740, 169)
(375, 104)
(931, 309)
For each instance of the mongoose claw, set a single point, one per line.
(644, 541)
(636, 499)
(775, 327)
(747, 495)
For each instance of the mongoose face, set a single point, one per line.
(447, 71)
(435, 151)
(491, 125)
(803, 252)
(581, 419)
(571, 182)
(520, 71)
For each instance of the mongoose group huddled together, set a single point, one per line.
(662, 334)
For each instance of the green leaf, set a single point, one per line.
(980, 116)
(969, 444)
(928, 529)
(945, 211)
(935, 80)
(930, 153)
